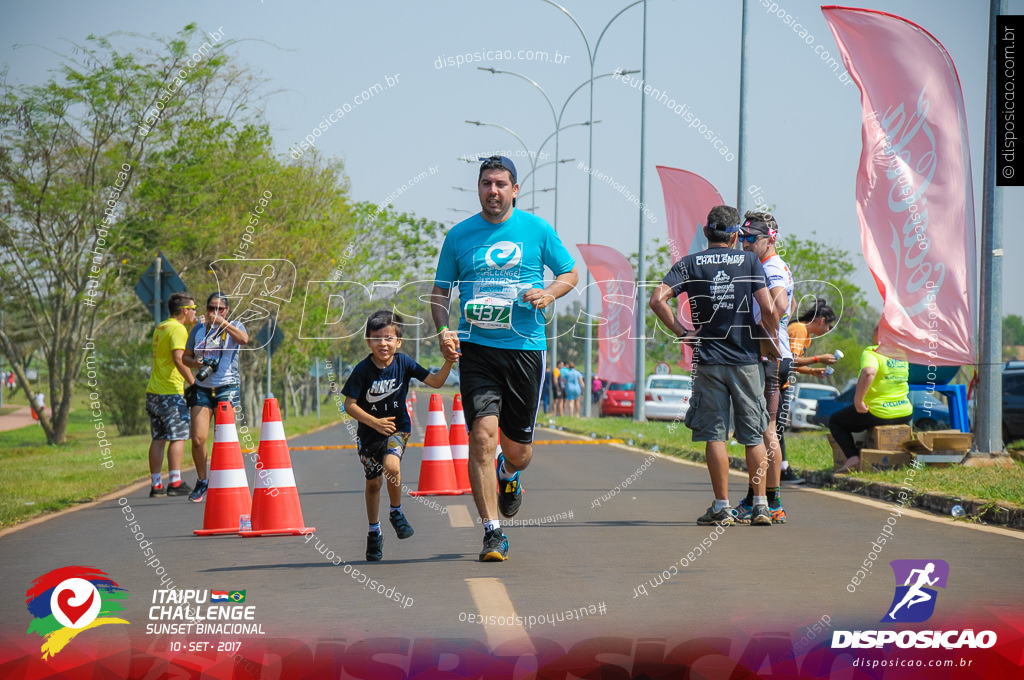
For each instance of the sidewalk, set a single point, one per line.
(20, 418)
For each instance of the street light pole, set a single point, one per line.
(641, 266)
(592, 55)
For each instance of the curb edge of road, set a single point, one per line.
(978, 512)
(131, 487)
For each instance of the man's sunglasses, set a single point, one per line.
(211, 308)
(751, 238)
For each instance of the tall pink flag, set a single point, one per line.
(688, 200)
(914, 188)
(617, 283)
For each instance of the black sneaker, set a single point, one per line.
(510, 492)
(374, 546)
(495, 547)
(401, 524)
(789, 478)
(199, 493)
(157, 490)
(179, 489)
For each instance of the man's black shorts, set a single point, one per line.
(503, 383)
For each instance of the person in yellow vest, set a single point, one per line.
(165, 402)
(880, 399)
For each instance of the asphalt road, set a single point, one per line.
(617, 563)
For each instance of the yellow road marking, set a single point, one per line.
(495, 606)
(459, 516)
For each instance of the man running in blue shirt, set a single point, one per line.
(497, 260)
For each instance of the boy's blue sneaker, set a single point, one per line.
(401, 524)
(510, 492)
(374, 546)
(495, 547)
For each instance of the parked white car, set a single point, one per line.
(667, 397)
(805, 404)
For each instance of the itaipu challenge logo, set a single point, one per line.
(71, 600)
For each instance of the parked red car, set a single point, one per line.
(618, 399)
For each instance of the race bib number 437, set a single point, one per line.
(489, 312)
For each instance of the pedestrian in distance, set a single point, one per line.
(573, 389)
(165, 401)
(212, 349)
(375, 394)
(558, 387)
(728, 375)
(497, 259)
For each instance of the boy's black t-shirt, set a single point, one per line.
(381, 392)
(721, 283)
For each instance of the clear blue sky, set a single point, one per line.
(804, 126)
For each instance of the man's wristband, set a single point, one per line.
(442, 329)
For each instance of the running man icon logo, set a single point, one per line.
(914, 601)
(258, 289)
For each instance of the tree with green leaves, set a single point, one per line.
(71, 151)
(1013, 330)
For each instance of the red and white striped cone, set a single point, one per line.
(458, 439)
(228, 496)
(410, 407)
(437, 471)
(275, 501)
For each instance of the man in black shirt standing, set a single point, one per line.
(722, 284)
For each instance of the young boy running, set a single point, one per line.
(375, 396)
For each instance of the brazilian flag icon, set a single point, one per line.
(237, 596)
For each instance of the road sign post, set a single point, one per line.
(156, 286)
(271, 335)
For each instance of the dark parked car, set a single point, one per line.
(1013, 401)
(930, 409)
(618, 399)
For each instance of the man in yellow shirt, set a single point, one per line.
(880, 399)
(165, 401)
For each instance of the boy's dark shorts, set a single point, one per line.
(372, 456)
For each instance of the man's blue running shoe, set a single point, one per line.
(510, 492)
(495, 547)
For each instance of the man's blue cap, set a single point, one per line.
(499, 162)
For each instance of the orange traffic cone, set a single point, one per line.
(410, 406)
(275, 500)
(228, 496)
(458, 439)
(437, 472)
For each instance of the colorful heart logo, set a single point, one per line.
(75, 603)
(73, 612)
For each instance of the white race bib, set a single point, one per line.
(489, 312)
